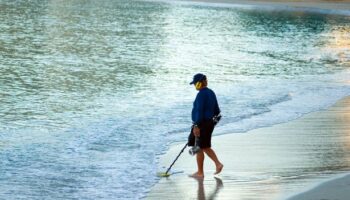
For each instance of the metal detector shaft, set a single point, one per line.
(182, 150)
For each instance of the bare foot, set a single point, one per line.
(197, 175)
(218, 169)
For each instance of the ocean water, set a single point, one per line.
(92, 92)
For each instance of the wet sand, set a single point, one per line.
(268, 163)
(334, 189)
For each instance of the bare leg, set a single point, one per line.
(211, 153)
(200, 163)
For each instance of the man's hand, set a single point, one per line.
(196, 131)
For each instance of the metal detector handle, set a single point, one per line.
(182, 150)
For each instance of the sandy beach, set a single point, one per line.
(95, 97)
(333, 189)
(340, 5)
(275, 162)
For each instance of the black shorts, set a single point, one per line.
(206, 129)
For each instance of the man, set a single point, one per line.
(205, 107)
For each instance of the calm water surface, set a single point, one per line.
(92, 92)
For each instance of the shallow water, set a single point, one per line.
(91, 92)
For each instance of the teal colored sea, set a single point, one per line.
(93, 92)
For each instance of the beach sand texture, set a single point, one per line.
(334, 189)
(267, 163)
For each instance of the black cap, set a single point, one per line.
(198, 77)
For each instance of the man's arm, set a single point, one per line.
(198, 114)
(199, 110)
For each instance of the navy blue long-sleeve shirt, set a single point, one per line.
(205, 106)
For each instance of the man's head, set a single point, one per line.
(199, 81)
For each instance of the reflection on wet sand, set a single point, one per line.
(201, 188)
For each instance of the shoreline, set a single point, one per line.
(334, 188)
(266, 159)
(337, 7)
